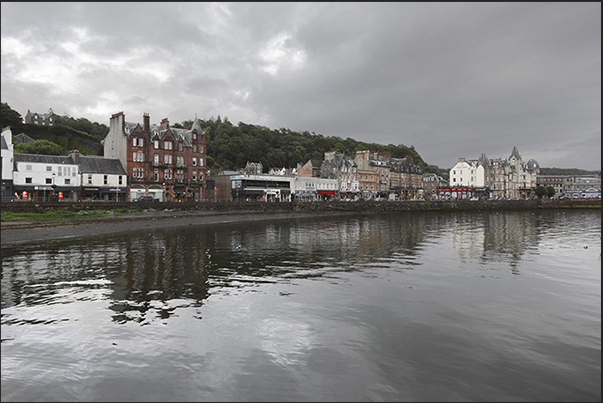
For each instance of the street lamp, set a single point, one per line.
(54, 186)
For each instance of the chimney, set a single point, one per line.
(461, 159)
(164, 123)
(146, 122)
(75, 156)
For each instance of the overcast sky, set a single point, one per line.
(450, 79)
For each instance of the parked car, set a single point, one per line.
(146, 199)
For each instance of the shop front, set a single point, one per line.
(113, 193)
(136, 191)
(455, 192)
(325, 194)
(90, 193)
(157, 192)
(305, 195)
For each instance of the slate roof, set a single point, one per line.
(44, 159)
(92, 164)
(87, 164)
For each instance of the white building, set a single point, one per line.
(7, 164)
(37, 177)
(101, 178)
(468, 173)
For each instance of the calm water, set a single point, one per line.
(466, 306)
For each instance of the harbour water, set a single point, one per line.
(417, 306)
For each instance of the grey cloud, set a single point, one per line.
(452, 79)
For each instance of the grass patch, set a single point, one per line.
(57, 215)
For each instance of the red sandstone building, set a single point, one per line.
(164, 162)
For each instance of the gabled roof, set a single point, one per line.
(23, 138)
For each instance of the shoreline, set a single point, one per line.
(19, 233)
(23, 232)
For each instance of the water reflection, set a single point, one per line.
(413, 306)
(192, 263)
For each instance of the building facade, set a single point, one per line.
(7, 164)
(46, 177)
(497, 178)
(344, 169)
(582, 186)
(164, 162)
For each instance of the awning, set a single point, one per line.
(326, 192)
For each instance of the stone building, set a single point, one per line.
(164, 162)
(373, 173)
(406, 178)
(345, 170)
(43, 119)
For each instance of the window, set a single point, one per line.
(200, 148)
(156, 144)
(67, 181)
(194, 148)
(48, 169)
(60, 171)
(194, 161)
(90, 179)
(121, 181)
(156, 159)
(167, 145)
(48, 181)
(200, 161)
(28, 167)
(194, 175)
(105, 179)
(179, 146)
(167, 159)
(156, 174)
(28, 180)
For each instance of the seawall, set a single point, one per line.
(339, 206)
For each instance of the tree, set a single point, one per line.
(541, 191)
(43, 147)
(550, 191)
(9, 117)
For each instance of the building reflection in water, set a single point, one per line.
(147, 275)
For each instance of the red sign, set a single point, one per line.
(60, 195)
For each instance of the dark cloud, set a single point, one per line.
(452, 79)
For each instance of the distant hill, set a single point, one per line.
(567, 171)
(65, 137)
